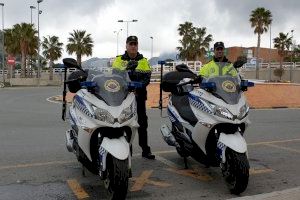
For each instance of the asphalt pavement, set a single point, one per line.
(35, 164)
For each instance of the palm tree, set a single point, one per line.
(80, 43)
(21, 39)
(52, 51)
(194, 42)
(186, 30)
(260, 20)
(283, 42)
(11, 45)
(201, 42)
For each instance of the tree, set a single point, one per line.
(260, 20)
(80, 43)
(201, 42)
(21, 39)
(52, 51)
(296, 53)
(194, 42)
(282, 43)
(185, 30)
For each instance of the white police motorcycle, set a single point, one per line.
(208, 122)
(103, 122)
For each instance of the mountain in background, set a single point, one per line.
(171, 56)
(106, 62)
(96, 63)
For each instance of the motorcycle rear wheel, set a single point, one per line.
(117, 180)
(236, 171)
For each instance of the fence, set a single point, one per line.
(292, 70)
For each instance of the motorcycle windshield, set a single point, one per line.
(227, 88)
(112, 87)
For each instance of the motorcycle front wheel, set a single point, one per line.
(236, 171)
(117, 179)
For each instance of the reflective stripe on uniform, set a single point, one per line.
(143, 65)
(213, 69)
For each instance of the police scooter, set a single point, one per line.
(208, 120)
(103, 121)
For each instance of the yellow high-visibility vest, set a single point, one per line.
(143, 65)
(214, 69)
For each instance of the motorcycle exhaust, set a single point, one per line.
(167, 136)
(69, 140)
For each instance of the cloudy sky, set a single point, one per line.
(226, 20)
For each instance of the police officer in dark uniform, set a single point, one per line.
(141, 72)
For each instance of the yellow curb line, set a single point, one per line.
(283, 148)
(143, 179)
(77, 189)
(36, 164)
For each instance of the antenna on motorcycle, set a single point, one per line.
(161, 63)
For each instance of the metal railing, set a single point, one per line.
(170, 66)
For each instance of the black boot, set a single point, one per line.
(148, 155)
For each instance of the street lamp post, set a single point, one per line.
(270, 69)
(151, 46)
(39, 70)
(117, 32)
(31, 7)
(127, 21)
(3, 64)
(30, 58)
(291, 68)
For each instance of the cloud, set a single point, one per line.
(227, 21)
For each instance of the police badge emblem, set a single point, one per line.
(112, 85)
(229, 86)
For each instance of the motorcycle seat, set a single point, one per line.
(181, 103)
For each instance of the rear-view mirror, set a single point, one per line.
(71, 63)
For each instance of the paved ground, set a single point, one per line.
(263, 95)
(35, 164)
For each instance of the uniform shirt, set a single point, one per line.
(142, 72)
(216, 68)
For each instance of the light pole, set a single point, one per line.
(3, 64)
(270, 53)
(292, 49)
(30, 58)
(118, 40)
(151, 46)
(39, 70)
(31, 7)
(127, 21)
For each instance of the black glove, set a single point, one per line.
(241, 60)
(132, 64)
(197, 79)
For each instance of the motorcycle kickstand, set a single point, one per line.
(185, 163)
(83, 171)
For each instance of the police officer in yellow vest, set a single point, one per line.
(140, 73)
(219, 65)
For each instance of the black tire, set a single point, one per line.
(236, 171)
(118, 176)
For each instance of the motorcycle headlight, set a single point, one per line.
(103, 115)
(127, 113)
(221, 111)
(243, 111)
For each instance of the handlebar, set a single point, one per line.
(133, 85)
(196, 80)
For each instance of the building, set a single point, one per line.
(265, 54)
